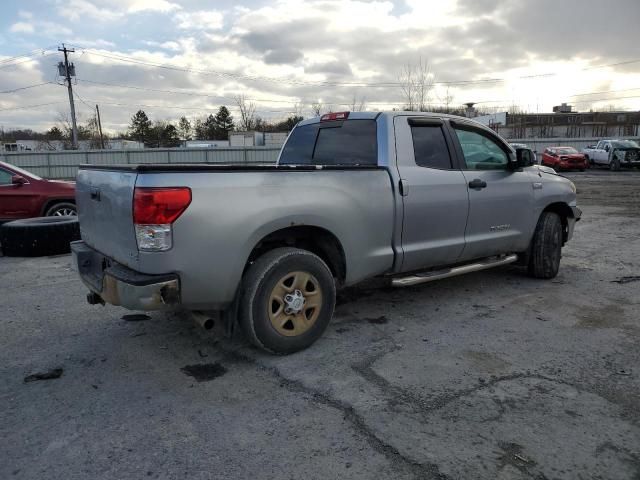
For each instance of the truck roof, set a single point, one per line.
(397, 113)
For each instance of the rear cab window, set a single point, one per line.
(430, 147)
(347, 143)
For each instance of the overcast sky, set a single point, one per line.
(532, 53)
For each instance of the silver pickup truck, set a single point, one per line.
(410, 196)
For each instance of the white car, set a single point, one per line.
(614, 154)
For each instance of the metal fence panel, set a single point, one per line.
(64, 164)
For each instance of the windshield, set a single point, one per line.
(625, 144)
(24, 173)
(566, 150)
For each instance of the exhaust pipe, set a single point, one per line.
(205, 321)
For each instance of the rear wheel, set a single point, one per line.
(286, 300)
(614, 164)
(546, 246)
(62, 209)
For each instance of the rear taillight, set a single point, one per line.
(154, 211)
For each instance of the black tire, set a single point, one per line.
(546, 246)
(62, 209)
(40, 236)
(257, 291)
(614, 164)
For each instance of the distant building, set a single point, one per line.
(58, 145)
(275, 139)
(257, 139)
(206, 143)
(246, 139)
(564, 123)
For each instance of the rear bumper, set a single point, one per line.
(119, 285)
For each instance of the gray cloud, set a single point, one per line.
(281, 56)
(341, 68)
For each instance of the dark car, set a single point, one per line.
(564, 158)
(25, 195)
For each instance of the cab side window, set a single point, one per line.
(5, 177)
(430, 147)
(481, 152)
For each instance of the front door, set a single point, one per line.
(15, 200)
(500, 198)
(435, 198)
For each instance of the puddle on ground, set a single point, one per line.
(378, 320)
(136, 317)
(204, 372)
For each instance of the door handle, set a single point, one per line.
(477, 184)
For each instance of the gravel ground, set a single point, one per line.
(490, 375)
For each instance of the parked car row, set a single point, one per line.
(613, 154)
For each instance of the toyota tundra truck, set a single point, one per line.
(411, 197)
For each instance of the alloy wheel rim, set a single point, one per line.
(65, 212)
(295, 303)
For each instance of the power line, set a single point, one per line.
(608, 91)
(25, 107)
(27, 87)
(128, 59)
(197, 94)
(24, 61)
(300, 100)
(32, 53)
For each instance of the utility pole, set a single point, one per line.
(69, 71)
(100, 127)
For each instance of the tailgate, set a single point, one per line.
(105, 211)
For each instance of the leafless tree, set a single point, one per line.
(446, 100)
(297, 109)
(358, 104)
(416, 82)
(247, 112)
(316, 108)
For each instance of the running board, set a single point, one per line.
(452, 272)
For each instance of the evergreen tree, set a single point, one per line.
(223, 124)
(55, 133)
(170, 137)
(184, 128)
(140, 127)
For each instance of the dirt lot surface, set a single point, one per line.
(490, 375)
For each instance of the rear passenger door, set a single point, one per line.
(500, 198)
(434, 194)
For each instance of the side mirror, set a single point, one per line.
(524, 157)
(18, 180)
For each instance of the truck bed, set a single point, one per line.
(233, 208)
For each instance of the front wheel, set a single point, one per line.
(546, 246)
(286, 300)
(614, 164)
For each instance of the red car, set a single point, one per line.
(25, 195)
(564, 158)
